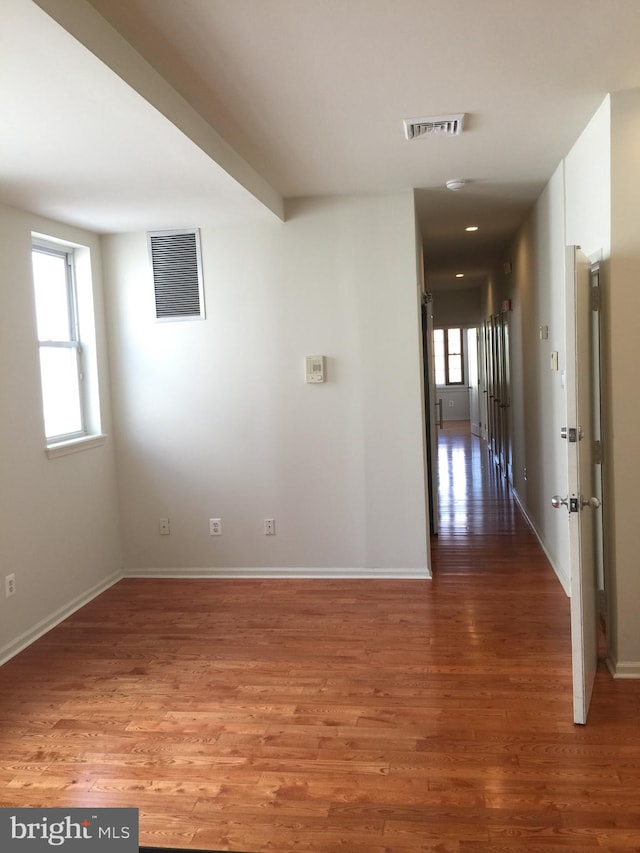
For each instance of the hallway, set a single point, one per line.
(473, 496)
(336, 716)
(481, 527)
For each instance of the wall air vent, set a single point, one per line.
(177, 274)
(414, 128)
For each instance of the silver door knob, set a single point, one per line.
(557, 501)
(594, 503)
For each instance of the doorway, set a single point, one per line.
(479, 403)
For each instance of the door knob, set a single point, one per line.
(557, 502)
(594, 503)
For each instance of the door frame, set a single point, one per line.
(430, 403)
(473, 379)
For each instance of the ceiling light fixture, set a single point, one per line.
(471, 228)
(455, 184)
(459, 275)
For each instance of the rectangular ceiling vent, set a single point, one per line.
(177, 274)
(414, 128)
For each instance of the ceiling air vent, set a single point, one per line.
(177, 274)
(452, 125)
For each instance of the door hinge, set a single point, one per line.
(597, 452)
(596, 301)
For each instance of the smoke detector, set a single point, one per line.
(450, 125)
(455, 184)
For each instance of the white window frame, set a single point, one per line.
(81, 331)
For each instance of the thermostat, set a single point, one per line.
(314, 368)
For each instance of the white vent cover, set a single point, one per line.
(177, 274)
(452, 125)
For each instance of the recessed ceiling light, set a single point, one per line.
(459, 275)
(471, 228)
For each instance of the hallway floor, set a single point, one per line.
(333, 716)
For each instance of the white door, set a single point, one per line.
(581, 501)
(473, 384)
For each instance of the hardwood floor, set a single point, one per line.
(320, 716)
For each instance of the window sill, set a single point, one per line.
(64, 448)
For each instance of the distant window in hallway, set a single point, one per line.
(448, 356)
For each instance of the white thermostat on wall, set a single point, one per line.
(314, 366)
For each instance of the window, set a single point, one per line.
(448, 357)
(68, 414)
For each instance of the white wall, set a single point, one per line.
(214, 418)
(603, 204)
(622, 310)
(588, 187)
(601, 189)
(455, 402)
(58, 517)
(538, 406)
(458, 307)
(573, 209)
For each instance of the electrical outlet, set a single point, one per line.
(269, 527)
(9, 585)
(164, 527)
(215, 527)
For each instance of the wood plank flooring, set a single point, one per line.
(323, 716)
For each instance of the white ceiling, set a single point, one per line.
(80, 145)
(311, 95)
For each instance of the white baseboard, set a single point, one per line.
(624, 669)
(28, 637)
(279, 572)
(45, 625)
(564, 580)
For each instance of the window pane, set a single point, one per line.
(52, 296)
(454, 341)
(455, 369)
(60, 391)
(438, 356)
